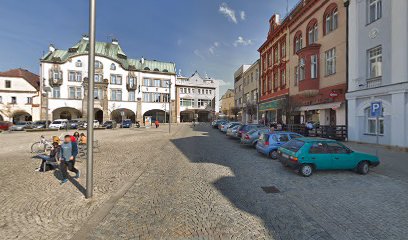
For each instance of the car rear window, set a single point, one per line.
(56, 122)
(294, 145)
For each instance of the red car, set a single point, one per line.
(4, 126)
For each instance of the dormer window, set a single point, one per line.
(156, 69)
(113, 66)
(78, 63)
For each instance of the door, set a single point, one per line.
(341, 156)
(332, 117)
(320, 156)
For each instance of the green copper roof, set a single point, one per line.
(112, 51)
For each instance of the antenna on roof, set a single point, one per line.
(287, 7)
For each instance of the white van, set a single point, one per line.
(59, 124)
(96, 124)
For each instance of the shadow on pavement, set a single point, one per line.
(281, 217)
(58, 175)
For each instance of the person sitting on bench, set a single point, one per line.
(47, 161)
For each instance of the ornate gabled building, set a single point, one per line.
(197, 98)
(123, 86)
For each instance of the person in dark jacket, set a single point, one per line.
(68, 152)
(46, 163)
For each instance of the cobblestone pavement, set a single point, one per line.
(198, 185)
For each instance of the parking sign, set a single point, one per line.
(376, 109)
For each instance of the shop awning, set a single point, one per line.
(332, 105)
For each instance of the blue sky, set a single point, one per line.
(213, 37)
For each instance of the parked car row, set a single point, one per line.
(304, 154)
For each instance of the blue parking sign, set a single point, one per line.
(376, 109)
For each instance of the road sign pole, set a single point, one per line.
(90, 110)
(169, 106)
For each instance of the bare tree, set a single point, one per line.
(235, 111)
(251, 109)
(289, 108)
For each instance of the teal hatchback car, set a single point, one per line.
(310, 154)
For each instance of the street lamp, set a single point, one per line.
(90, 110)
(47, 90)
(169, 84)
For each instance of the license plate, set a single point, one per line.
(285, 155)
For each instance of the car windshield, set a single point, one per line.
(56, 122)
(294, 145)
(107, 122)
(252, 131)
(21, 123)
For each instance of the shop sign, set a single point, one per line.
(333, 94)
(275, 104)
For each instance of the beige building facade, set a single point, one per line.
(250, 93)
(227, 104)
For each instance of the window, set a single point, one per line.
(374, 11)
(283, 77)
(275, 55)
(157, 83)
(78, 63)
(374, 62)
(280, 138)
(283, 49)
(313, 66)
(269, 58)
(312, 34)
(116, 79)
(330, 61)
(56, 92)
(112, 66)
(132, 96)
(331, 21)
(302, 69)
(7, 83)
(275, 80)
(298, 42)
(336, 148)
(74, 76)
(98, 78)
(296, 75)
(13, 100)
(264, 85)
(131, 81)
(146, 82)
(1, 99)
(372, 125)
(98, 93)
(205, 103)
(98, 65)
(116, 95)
(269, 82)
(56, 74)
(186, 102)
(75, 92)
(318, 148)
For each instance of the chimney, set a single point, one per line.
(115, 41)
(142, 60)
(51, 48)
(277, 18)
(85, 37)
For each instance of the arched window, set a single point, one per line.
(156, 69)
(147, 69)
(330, 18)
(98, 65)
(312, 32)
(78, 63)
(113, 66)
(298, 41)
(165, 70)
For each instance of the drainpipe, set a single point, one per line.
(346, 5)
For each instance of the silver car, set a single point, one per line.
(21, 126)
(225, 127)
(232, 132)
(252, 136)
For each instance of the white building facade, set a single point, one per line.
(197, 98)
(19, 96)
(133, 88)
(378, 71)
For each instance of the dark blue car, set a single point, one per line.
(269, 143)
(127, 123)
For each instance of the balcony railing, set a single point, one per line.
(369, 83)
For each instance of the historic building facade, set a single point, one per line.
(250, 93)
(227, 102)
(317, 62)
(19, 96)
(123, 86)
(196, 98)
(239, 90)
(273, 86)
(378, 72)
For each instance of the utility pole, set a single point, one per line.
(90, 110)
(169, 106)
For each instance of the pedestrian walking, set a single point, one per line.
(157, 123)
(76, 135)
(68, 152)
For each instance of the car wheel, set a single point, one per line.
(273, 154)
(363, 167)
(306, 170)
